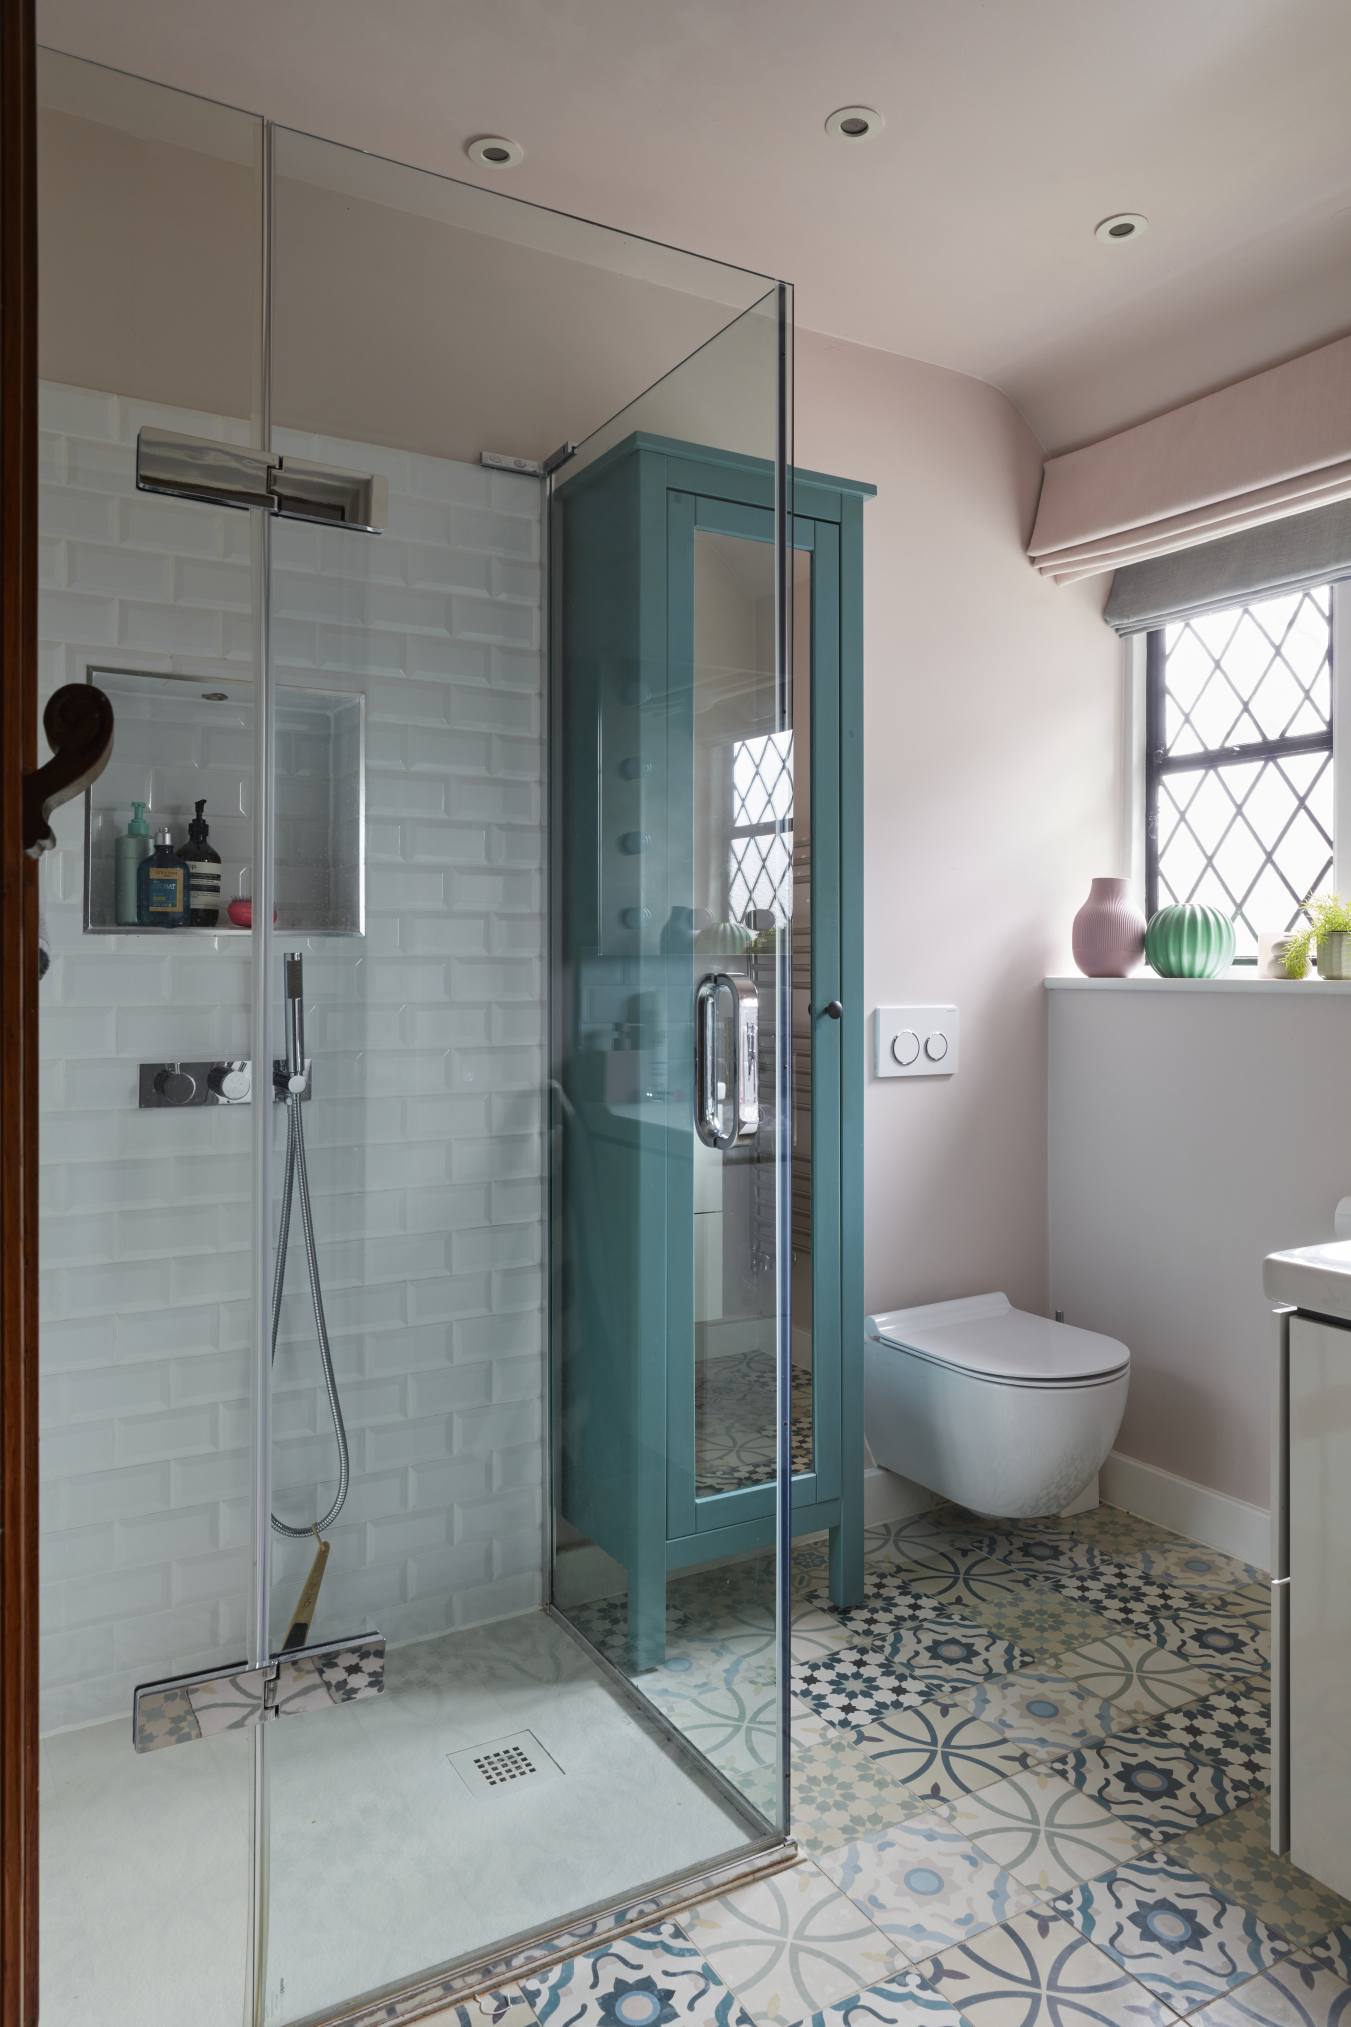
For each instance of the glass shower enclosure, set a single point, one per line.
(398, 1098)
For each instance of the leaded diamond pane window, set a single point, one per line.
(762, 827)
(1240, 760)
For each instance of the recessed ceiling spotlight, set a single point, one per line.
(855, 123)
(1121, 226)
(494, 151)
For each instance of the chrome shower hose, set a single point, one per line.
(298, 1175)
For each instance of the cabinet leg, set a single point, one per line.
(647, 1614)
(846, 1565)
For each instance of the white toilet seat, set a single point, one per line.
(1004, 1412)
(985, 1337)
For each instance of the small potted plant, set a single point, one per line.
(1330, 929)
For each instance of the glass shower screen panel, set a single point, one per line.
(146, 1344)
(674, 838)
(460, 1759)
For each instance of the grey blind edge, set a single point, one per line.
(1285, 555)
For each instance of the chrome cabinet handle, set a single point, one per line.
(741, 1091)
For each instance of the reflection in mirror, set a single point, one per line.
(752, 884)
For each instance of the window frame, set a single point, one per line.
(1335, 742)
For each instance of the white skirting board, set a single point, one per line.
(1196, 1511)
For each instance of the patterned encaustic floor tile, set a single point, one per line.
(840, 1793)
(1250, 1601)
(1229, 1727)
(1122, 1597)
(1235, 1855)
(1334, 1950)
(906, 2000)
(644, 1980)
(1039, 1971)
(1135, 1675)
(734, 1724)
(1297, 1992)
(890, 1602)
(1043, 1711)
(972, 1585)
(1125, 1533)
(938, 1751)
(854, 1686)
(925, 1885)
(791, 1945)
(1174, 1931)
(1044, 1831)
(951, 1651)
(1045, 1622)
(1157, 1787)
(1191, 1567)
(1225, 1644)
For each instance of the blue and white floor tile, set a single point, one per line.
(1175, 1932)
(1038, 1971)
(657, 1978)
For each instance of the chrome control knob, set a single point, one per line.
(175, 1085)
(232, 1083)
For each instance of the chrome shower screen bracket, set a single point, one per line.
(226, 475)
(240, 1698)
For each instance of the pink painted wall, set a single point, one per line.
(993, 793)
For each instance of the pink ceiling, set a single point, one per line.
(962, 235)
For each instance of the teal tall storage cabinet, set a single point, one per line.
(709, 893)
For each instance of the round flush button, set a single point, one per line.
(905, 1047)
(936, 1046)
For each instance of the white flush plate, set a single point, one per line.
(916, 1041)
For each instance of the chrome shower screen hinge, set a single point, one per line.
(238, 1698)
(228, 475)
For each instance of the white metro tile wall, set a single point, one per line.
(424, 1130)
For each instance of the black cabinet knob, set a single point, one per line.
(833, 1010)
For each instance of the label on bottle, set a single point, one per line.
(204, 882)
(164, 890)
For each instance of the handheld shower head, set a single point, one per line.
(294, 974)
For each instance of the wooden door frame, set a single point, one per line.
(18, 1021)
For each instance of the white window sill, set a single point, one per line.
(1229, 981)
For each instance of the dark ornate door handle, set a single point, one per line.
(78, 722)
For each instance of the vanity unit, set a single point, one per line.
(1311, 1562)
(709, 856)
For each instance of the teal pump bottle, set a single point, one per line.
(136, 844)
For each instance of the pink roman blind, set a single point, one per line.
(1267, 447)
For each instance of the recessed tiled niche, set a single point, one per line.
(181, 739)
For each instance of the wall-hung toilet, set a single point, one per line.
(1004, 1412)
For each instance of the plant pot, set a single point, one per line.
(1189, 941)
(1108, 937)
(1334, 955)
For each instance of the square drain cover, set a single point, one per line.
(504, 1763)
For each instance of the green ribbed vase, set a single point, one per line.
(1189, 941)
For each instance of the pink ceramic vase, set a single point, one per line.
(1109, 931)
